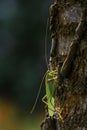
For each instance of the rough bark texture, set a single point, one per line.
(68, 25)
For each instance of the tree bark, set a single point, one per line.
(68, 25)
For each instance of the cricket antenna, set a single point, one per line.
(46, 43)
(38, 94)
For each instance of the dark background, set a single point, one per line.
(22, 40)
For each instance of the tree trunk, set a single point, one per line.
(68, 25)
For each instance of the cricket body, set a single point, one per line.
(49, 99)
(50, 85)
(51, 81)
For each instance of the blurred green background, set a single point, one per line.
(22, 60)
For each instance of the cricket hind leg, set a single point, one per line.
(45, 102)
